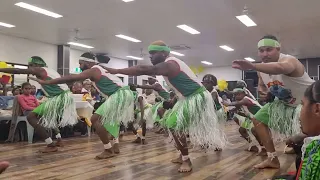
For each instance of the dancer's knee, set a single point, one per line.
(32, 118)
(95, 118)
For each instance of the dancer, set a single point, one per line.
(144, 117)
(246, 109)
(160, 92)
(58, 111)
(193, 113)
(118, 107)
(284, 76)
(210, 81)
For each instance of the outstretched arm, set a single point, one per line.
(164, 69)
(238, 103)
(33, 71)
(145, 86)
(285, 66)
(87, 74)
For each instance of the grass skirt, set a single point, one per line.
(119, 107)
(58, 111)
(284, 120)
(154, 110)
(196, 115)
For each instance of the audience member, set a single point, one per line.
(27, 101)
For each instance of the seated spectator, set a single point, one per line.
(16, 91)
(33, 90)
(27, 101)
(87, 84)
(77, 88)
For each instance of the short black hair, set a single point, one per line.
(269, 37)
(25, 84)
(312, 92)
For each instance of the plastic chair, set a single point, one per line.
(16, 119)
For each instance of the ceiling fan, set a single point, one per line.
(77, 38)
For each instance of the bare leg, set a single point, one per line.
(59, 142)
(104, 137)
(116, 148)
(144, 132)
(3, 166)
(41, 131)
(182, 145)
(236, 120)
(138, 140)
(244, 133)
(265, 137)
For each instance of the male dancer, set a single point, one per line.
(58, 111)
(118, 107)
(193, 113)
(284, 76)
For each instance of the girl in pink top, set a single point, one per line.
(27, 101)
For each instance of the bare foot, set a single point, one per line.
(137, 141)
(263, 152)
(177, 160)
(269, 164)
(217, 149)
(186, 166)
(107, 153)
(3, 166)
(144, 142)
(59, 143)
(49, 148)
(116, 149)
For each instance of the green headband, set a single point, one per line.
(269, 43)
(37, 61)
(158, 48)
(237, 90)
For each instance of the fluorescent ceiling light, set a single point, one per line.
(176, 53)
(136, 58)
(127, 0)
(7, 25)
(249, 59)
(188, 29)
(246, 20)
(127, 38)
(227, 48)
(38, 10)
(206, 62)
(80, 45)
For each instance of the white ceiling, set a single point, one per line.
(295, 22)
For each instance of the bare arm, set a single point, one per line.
(33, 71)
(238, 103)
(164, 69)
(87, 74)
(145, 86)
(285, 66)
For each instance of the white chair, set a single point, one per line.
(16, 119)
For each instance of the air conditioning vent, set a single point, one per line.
(180, 47)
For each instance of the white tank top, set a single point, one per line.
(108, 83)
(288, 89)
(185, 83)
(53, 89)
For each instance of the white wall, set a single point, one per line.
(19, 50)
(226, 72)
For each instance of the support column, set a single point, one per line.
(63, 60)
(132, 79)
